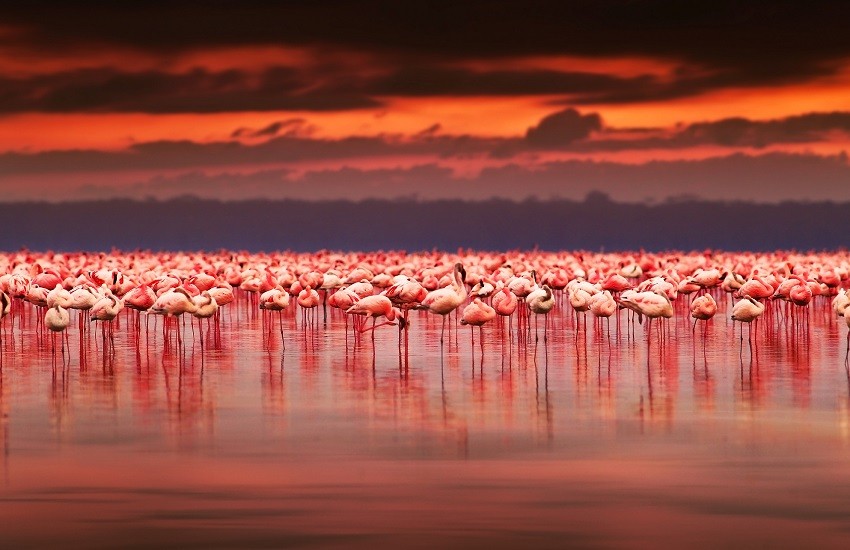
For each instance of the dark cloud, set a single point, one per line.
(578, 88)
(768, 178)
(562, 128)
(567, 131)
(329, 89)
(452, 81)
(195, 91)
(736, 132)
(319, 89)
(429, 131)
(564, 131)
(762, 41)
(728, 132)
(168, 155)
(289, 127)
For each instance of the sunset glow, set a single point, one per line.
(333, 99)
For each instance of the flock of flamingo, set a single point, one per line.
(385, 286)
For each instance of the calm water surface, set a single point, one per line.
(589, 440)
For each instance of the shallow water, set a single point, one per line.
(591, 439)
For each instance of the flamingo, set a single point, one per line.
(732, 282)
(106, 309)
(540, 301)
(476, 314)
(375, 307)
(520, 285)
(275, 299)
(173, 303)
(840, 302)
(747, 310)
(406, 294)
(308, 299)
(36, 295)
(603, 305)
(703, 308)
(757, 287)
(205, 307)
(203, 281)
(59, 296)
(631, 271)
(140, 298)
(222, 292)
(579, 294)
(5, 305)
(447, 299)
(57, 318)
(483, 289)
(49, 279)
(847, 321)
(505, 303)
(83, 298)
(653, 304)
(706, 278)
(615, 283)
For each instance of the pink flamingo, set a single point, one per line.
(141, 298)
(703, 308)
(747, 310)
(205, 307)
(603, 306)
(654, 304)
(540, 301)
(375, 307)
(447, 299)
(277, 300)
(56, 320)
(308, 299)
(505, 303)
(107, 309)
(477, 314)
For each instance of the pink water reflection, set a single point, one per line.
(591, 440)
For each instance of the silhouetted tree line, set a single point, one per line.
(593, 224)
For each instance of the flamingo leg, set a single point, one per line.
(443, 331)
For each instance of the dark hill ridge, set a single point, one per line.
(596, 223)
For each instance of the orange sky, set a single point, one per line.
(483, 116)
(70, 83)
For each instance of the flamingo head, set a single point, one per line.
(402, 322)
(393, 314)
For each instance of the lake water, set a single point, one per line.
(592, 439)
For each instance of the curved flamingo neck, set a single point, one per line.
(459, 285)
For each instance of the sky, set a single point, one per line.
(645, 101)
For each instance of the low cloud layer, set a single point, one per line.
(768, 178)
(289, 141)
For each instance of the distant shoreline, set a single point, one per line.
(597, 223)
